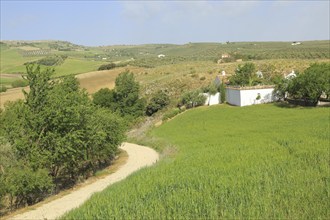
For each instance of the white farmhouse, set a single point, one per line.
(243, 96)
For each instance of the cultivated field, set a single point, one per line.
(260, 162)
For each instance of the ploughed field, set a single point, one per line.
(262, 162)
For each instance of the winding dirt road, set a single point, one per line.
(138, 157)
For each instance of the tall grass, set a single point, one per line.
(261, 162)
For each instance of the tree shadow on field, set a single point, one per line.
(284, 104)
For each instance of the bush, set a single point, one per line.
(3, 88)
(158, 102)
(192, 99)
(26, 186)
(107, 66)
(104, 98)
(19, 83)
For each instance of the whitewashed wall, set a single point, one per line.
(212, 99)
(233, 96)
(244, 97)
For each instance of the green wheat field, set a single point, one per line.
(260, 162)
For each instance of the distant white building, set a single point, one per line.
(161, 55)
(295, 43)
(244, 96)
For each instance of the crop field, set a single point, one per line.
(260, 162)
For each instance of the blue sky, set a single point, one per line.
(96, 23)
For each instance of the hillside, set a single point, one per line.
(259, 162)
(183, 65)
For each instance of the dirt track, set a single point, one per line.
(138, 157)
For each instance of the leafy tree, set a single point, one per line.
(104, 98)
(126, 96)
(158, 102)
(310, 85)
(59, 129)
(245, 75)
(40, 85)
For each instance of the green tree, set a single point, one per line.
(40, 85)
(245, 75)
(62, 135)
(157, 102)
(126, 96)
(310, 85)
(104, 98)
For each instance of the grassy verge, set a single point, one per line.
(260, 162)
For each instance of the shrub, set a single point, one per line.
(19, 83)
(158, 102)
(192, 99)
(107, 66)
(3, 88)
(27, 186)
(104, 98)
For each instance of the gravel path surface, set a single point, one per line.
(138, 157)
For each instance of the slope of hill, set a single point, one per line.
(263, 162)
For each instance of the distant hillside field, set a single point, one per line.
(256, 162)
(182, 68)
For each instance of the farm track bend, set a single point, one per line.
(138, 157)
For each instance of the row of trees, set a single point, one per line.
(124, 99)
(54, 137)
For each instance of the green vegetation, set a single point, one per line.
(159, 101)
(192, 99)
(245, 75)
(50, 60)
(54, 137)
(19, 83)
(308, 86)
(263, 162)
(15, 54)
(3, 88)
(124, 98)
(108, 66)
